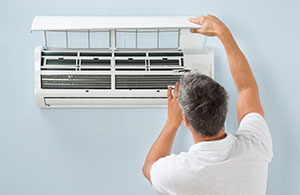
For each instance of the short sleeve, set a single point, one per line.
(160, 175)
(254, 127)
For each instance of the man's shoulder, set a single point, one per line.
(174, 160)
(253, 132)
(166, 171)
(177, 165)
(172, 163)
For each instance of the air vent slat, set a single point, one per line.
(95, 54)
(95, 69)
(76, 81)
(95, 62)
(130, 69)
(165, 54)
(59, 69)
(53, 53)
(130, 54)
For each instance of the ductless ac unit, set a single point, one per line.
(114, 61)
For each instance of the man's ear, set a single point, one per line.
(186, 122)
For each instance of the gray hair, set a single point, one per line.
(204, 103)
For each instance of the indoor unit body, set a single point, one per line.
(115, 61)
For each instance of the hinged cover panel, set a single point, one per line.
(47, 23)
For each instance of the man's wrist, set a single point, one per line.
(223, 33)
(172, 125)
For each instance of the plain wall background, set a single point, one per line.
(101, 151)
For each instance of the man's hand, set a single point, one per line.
(174, 111)
(211, 25)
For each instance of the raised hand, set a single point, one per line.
(211, 25)
(174, 110)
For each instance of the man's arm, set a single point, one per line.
(163, 144)
(248, 99)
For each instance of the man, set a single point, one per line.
(218, 162)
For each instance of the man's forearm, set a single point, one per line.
(163, 144)
(248, 99)
(239, 67)
(161, 147)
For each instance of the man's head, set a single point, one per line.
(203, 102)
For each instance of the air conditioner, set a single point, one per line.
(114, 61)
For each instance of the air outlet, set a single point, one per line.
(76, 81)
(145, 81)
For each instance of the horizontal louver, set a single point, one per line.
(95, 54)
(145, 81)
(57, 53)
(164, 54)
(127, 54)
(76, 81)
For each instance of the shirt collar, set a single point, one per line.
(214, 145)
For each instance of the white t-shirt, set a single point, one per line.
(235, 165)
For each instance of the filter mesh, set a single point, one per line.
(76, 81)
(145, 81)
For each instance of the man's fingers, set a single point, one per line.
(198, 20)
(176, 90)
(196, 30)
(170, 92)
(193, 20)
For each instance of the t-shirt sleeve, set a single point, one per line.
(254, 127)
(160, 175)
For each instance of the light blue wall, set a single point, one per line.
(101, 151)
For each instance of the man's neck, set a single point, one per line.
(197, 138)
